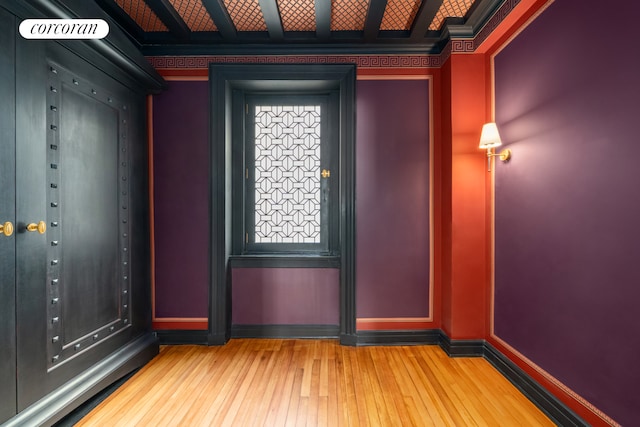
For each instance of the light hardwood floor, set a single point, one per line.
(260, 382)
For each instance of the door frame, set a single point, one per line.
(223, 80)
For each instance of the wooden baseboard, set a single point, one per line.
(181, 337)
(404, 337)
(285, 331)
(71, 419)
(556, 410)
(461, 348)
(62, 401)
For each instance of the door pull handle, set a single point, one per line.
(6, 229)
(40, 227)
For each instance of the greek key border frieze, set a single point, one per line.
(363, 61)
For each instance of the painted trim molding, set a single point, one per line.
(285, 331)
(399, 337)
(461, 348)
(539, 375)
(182, 337)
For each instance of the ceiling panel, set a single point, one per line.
(348, 15)
(246, 15)
(399, 14)
(297, 15)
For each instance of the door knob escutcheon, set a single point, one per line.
(40, 227)
(6, 229)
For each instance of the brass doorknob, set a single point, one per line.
(6, 229)
(40, 227)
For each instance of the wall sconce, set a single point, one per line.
(489, 139)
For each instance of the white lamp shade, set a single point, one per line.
(490, 136)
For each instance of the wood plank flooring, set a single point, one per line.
(260, 382)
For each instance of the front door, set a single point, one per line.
(7, 217)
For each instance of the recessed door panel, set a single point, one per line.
(88, 200)
(87, 206)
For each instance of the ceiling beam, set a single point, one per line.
(128, 25)
(168, 15)
(374, 19)
(272, 19)
(481, 12)
(323, 19)
(424, 18)
(221, 18)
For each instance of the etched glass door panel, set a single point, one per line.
(288, 174)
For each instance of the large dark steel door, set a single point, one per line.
(7, 218)
(65, 225)
(73, 291)
(65, 287)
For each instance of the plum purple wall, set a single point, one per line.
(567, 238)
(392, 198)
(181, 200)
(392, 214)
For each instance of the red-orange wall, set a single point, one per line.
(464, 227)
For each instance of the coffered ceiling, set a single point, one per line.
(225, 26)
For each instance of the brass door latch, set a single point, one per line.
(6, 229)
(325, 173)
(40, 227)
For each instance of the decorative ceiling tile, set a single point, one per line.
(142, 15)
(194, 14)
(450, 9)
(246, 15)
(399, 14)
(348, 15)
(297, 15)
